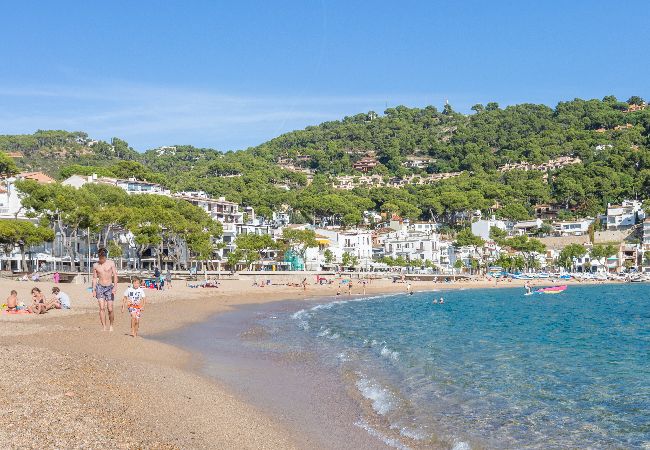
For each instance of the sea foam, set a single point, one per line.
(385, 439)
(381, 398)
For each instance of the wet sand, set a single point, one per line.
(67, 384)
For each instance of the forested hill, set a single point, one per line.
(610, 138)
(487, 139)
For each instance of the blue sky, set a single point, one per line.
(229, 75)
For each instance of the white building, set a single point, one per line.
(645, 245)
(219, 209)
(624, 215)
(131, 185)
(482, 227)
(357, 243)
(424, 227)
(10, 204)
(572, 227)
(418, 246)
(526, 226)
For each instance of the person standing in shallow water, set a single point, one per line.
(104, 287)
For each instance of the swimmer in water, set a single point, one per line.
(442, 300)
(435, 301)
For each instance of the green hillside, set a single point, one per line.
(296, 169)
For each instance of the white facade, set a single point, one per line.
(424, 227)
(624, 215)
(646, 234)
(10, 203)
(573, 228)
(219, 209)
(525, 226)
(355, 242)
(414, 246)
(131, 185)
(482, 227)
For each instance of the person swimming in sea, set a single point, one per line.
(435, 301)
(442, 300)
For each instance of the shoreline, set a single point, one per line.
(130, 374)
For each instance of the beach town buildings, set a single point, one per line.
(11, 208)
(628, 256)
(419, 247)
(356, 242)
(221, 210)
(625, 215)
(482, 227)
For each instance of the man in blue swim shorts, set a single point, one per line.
(104, 287)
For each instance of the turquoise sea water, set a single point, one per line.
(494, 368)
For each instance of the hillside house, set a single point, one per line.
(365, 164)
(527, 226)
(39, 177)
(625, 215)
(634, 107)
(130, 185)
(417, 162)
(572, 227)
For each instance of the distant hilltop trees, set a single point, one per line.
(420, 163)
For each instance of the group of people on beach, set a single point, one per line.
(104, 289)
(162, 280)
(40, 304)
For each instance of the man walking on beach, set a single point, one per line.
(104, 286)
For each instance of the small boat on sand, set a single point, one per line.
(552, 289)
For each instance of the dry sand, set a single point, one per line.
(67, 384)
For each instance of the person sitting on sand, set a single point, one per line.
(12, 301)
(38, 302)
(61, 297)
(134, 298)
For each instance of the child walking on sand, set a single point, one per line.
(134, 299)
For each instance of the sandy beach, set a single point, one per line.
(67, 384)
